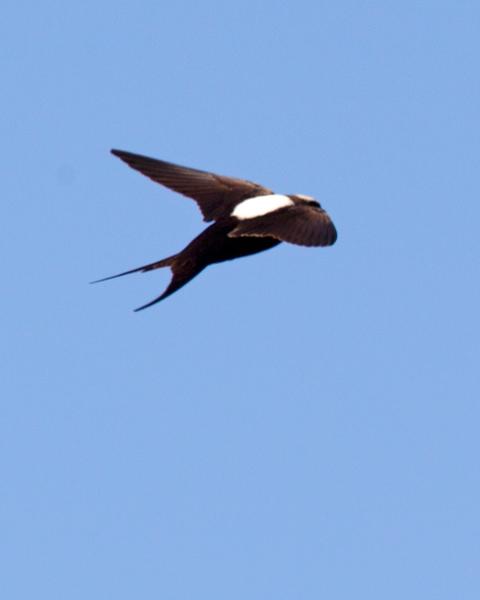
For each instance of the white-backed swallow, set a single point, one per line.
(247, 218)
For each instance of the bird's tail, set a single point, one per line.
(182, 272)
(166, 262)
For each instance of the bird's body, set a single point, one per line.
(248, 219)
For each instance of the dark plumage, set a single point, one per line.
(248, 218)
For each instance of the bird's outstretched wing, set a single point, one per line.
(216, 195)
(300, 224)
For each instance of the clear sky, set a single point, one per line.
(300, 424)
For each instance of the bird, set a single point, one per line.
(246, 218)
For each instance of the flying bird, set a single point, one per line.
(247, 218)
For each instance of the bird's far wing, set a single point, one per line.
(302, 224)
(216, 195)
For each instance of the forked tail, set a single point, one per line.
(182, 272)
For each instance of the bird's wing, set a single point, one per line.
(216, 195)
(301, 224)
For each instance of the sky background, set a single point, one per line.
(300, 424)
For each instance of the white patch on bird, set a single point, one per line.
(261, 205)
(304, 197)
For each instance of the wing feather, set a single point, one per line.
(216, 195)
(301, 224)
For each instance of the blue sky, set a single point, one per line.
(298, 424)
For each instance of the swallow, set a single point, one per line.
(246, 217)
